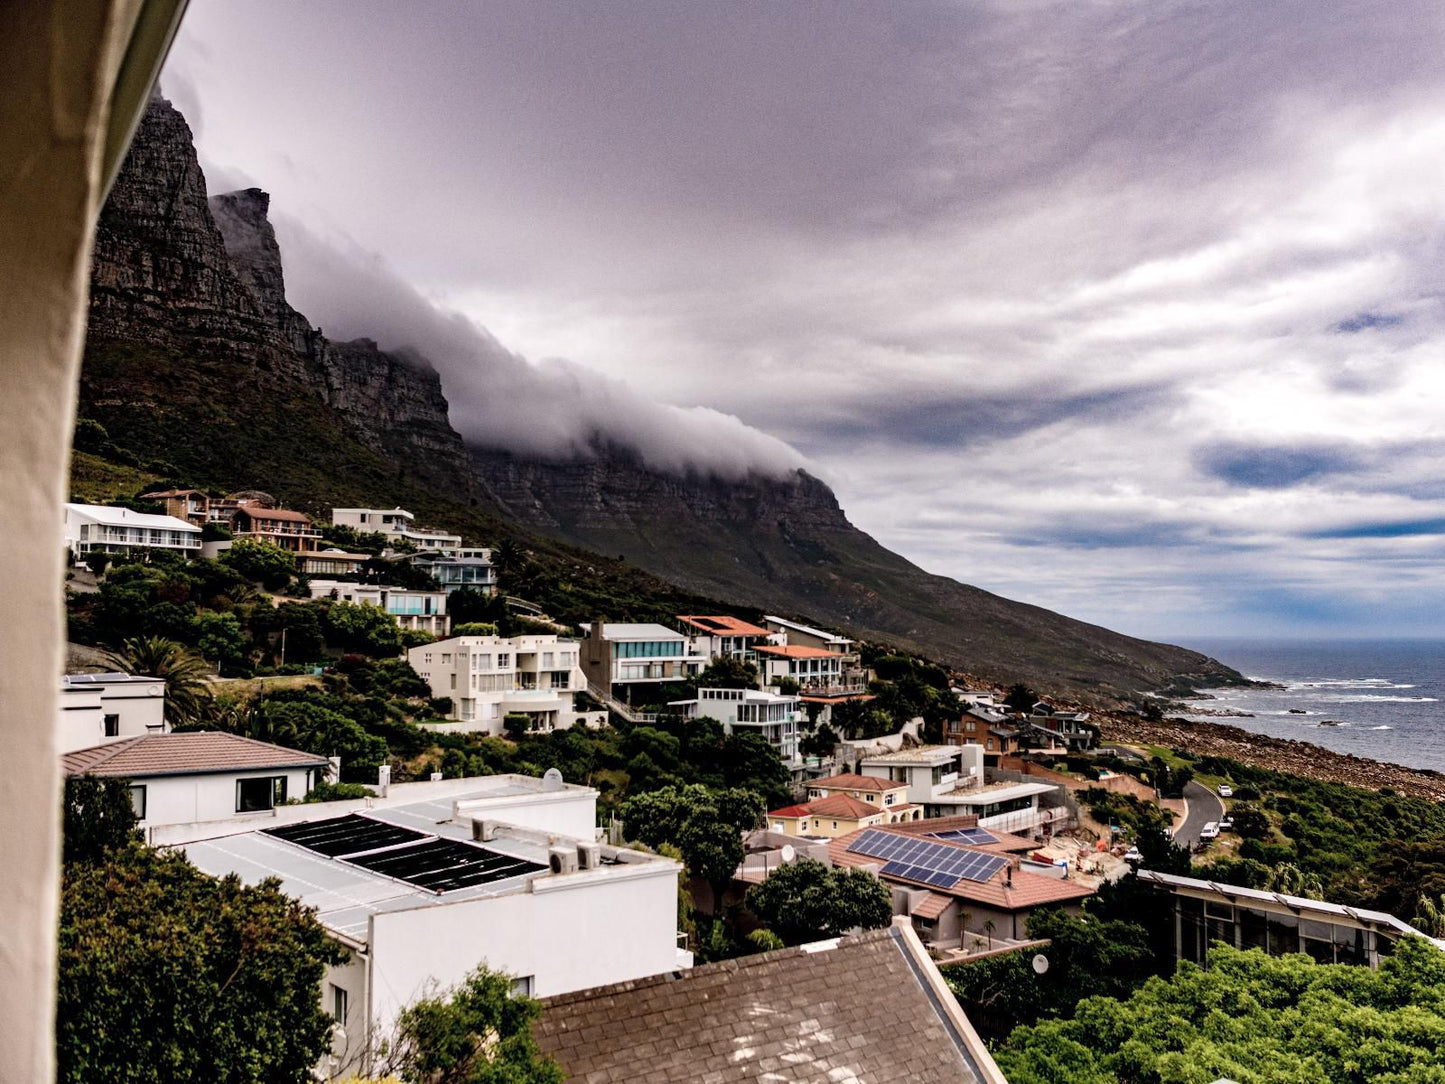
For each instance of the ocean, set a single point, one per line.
(1387, 697)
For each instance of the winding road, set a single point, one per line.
(1203, 806)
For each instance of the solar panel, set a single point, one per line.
(442, 865)
(972, 836)
(349, 834)
(926, 860)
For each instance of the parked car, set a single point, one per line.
(1209, 831)
(1226, 824)
(1133, 855)
(1226, 791)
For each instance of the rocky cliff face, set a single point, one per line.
(202, 280)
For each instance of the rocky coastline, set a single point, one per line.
(1278, 754)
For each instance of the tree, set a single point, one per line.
(706, 826)
(988, 928)
(807, 901)
(167, 974)
(99, 818)
(728, 672)
(1020, 698)
(515, 724)
(820, 743)
(1160, 851)
(1250, 821)
(97, 561)
(263, 561)
(475, 628)
(1250, 1016)
(1430, 920)
(478, 1033)
(354, 626)
(313, 728)
(221, 640)
(188, 692)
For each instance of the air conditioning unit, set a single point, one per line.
(589, 855)
(562, 859)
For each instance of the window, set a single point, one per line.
(338, 1004)
(138, 800)
(522, 985)
(259, 795)
(112, 726)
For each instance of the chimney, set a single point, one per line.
(383, 780)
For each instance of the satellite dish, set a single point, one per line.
(1041, 964)
(787, 853)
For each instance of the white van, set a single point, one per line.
(1208, 832)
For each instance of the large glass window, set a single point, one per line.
(1253, 929)
(138, 800)
(1283, 934)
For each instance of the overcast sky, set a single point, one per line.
(1132, 310)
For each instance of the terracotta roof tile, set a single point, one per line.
(859, 1011)
(791, 811)
(843, 805)
(723, 625)
(191, 753)
(853, 781)
(797, 651)
(932, 906)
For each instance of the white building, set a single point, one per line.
(410, 608)
(92, 528)
(798, 634)
(422, 894)
(96, 708)
(818, 671)
(200, 776)
(775, 716)
(398, 525)
(722, 636)
(948, 780)
(490, 677)
(473, 569)
(618, 653)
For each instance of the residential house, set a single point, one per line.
(282, 527)
(774, 716)
(818, 672)
(889, 796)
(1206, 911)
(93, 528)
(957, 880)
(397, 525)
(835, 815)
(949, 780)
(411, 608)
(721, 636)
(1070, 729)
(331, 562)
(869, 1007)
(200, 775)
(985, 725)
(191, 505)
(620, 654)
(422, 894)
(474, 571)
(794, 632)
(96, 708)
(488, 678)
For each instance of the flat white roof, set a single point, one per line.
(924, 754)
(111, 679)
(623, 631)
(346, 895)
(124, 517)
(378, 511)
(798, 626)
(988, 795)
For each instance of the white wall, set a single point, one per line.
(579, 930)
(83, 708)
(564, 812)
(183, 799)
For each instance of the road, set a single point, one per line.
(1204, 806)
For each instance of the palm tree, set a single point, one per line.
(988, 928)
(1430, 919)
(188, 692)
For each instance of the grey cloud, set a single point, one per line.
(1367, 321)
(1274, 466)
(498, 399)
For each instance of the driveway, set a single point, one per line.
(1204, 806)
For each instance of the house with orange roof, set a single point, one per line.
(960, 882)
(826, 818)
(721, 636)
(818, 671)
(887, 795)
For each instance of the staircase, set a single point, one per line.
(605, 696)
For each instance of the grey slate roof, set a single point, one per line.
(861, 1011)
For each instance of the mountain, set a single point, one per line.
(193, 350)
